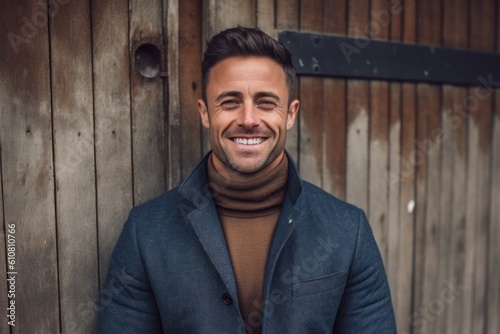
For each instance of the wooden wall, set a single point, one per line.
(84, 137)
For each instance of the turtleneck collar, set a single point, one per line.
(249, 195)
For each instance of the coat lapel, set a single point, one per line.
(204, 219)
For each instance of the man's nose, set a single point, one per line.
(248, 117)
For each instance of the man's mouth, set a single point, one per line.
(248, 141)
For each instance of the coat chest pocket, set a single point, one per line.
(320, 284)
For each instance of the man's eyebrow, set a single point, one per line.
(259, 95)
(236, 94)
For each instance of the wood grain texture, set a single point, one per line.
(453, 171)
(404, 288)
(4, 301)
(393, 173)
(113, 146)
(457, 238)
(73, 128)
(287, 18)
(311, 98)
(428, 148)
(189, 46)
(482, 39)
(378, 136)
(189, 92)
(357, 116)
(174, 135)
(148, 110)
(393, 180)
(404, 292)
(265, 13)
(493, 289)
(27, 164)
(335, 113)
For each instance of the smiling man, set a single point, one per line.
(243, 244)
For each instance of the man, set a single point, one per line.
(243, 244)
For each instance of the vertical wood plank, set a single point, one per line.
(378, 137)
(287, 18)
(311, 97)
(404, 292)
(148, 108)
(73, 126)
(394, 172)
(428, 148)
(458, 114)
(173, 127)
(334, 109)
(113, 144)
(189, 83)
(27, 164)
(265, 13)
(453, 170)
(357, 117)
(482, 39)
(493, 325)
(4, 301)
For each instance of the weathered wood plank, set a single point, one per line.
(148, 108)
(27, 164)
(482, 39)
(265, 16)
(334, 106)
(311, 97)
(287, 18)
(493, 325)
(404, 292)
(113, 153)
(73, 128)
(433, 284)
(189, 83)
(378, 138)
(453, 171)
(173, 127)
(428, 175)
(4, 301)
(394, 170)
(393, 181)
(379, 152)
(357, 117)
(458, 118)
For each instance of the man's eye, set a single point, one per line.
(267, 104)
(230, 103)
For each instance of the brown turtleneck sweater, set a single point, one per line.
(249, 206)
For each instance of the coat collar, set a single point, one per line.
(202, 216)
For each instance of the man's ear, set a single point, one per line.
(293, 109)
(202, 109)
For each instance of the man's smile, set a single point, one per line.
(248, 141)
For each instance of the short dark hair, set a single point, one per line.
(244, 42)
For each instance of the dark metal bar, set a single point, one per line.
(338, 56)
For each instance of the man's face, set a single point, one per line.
(247, 112)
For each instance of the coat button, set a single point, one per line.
(228, 300)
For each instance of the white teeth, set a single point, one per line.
(251, 141)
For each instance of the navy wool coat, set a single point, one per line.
(171, 272)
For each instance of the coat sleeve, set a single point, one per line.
(366, 305)
(127, 303)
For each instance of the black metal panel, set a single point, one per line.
(337, 56)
